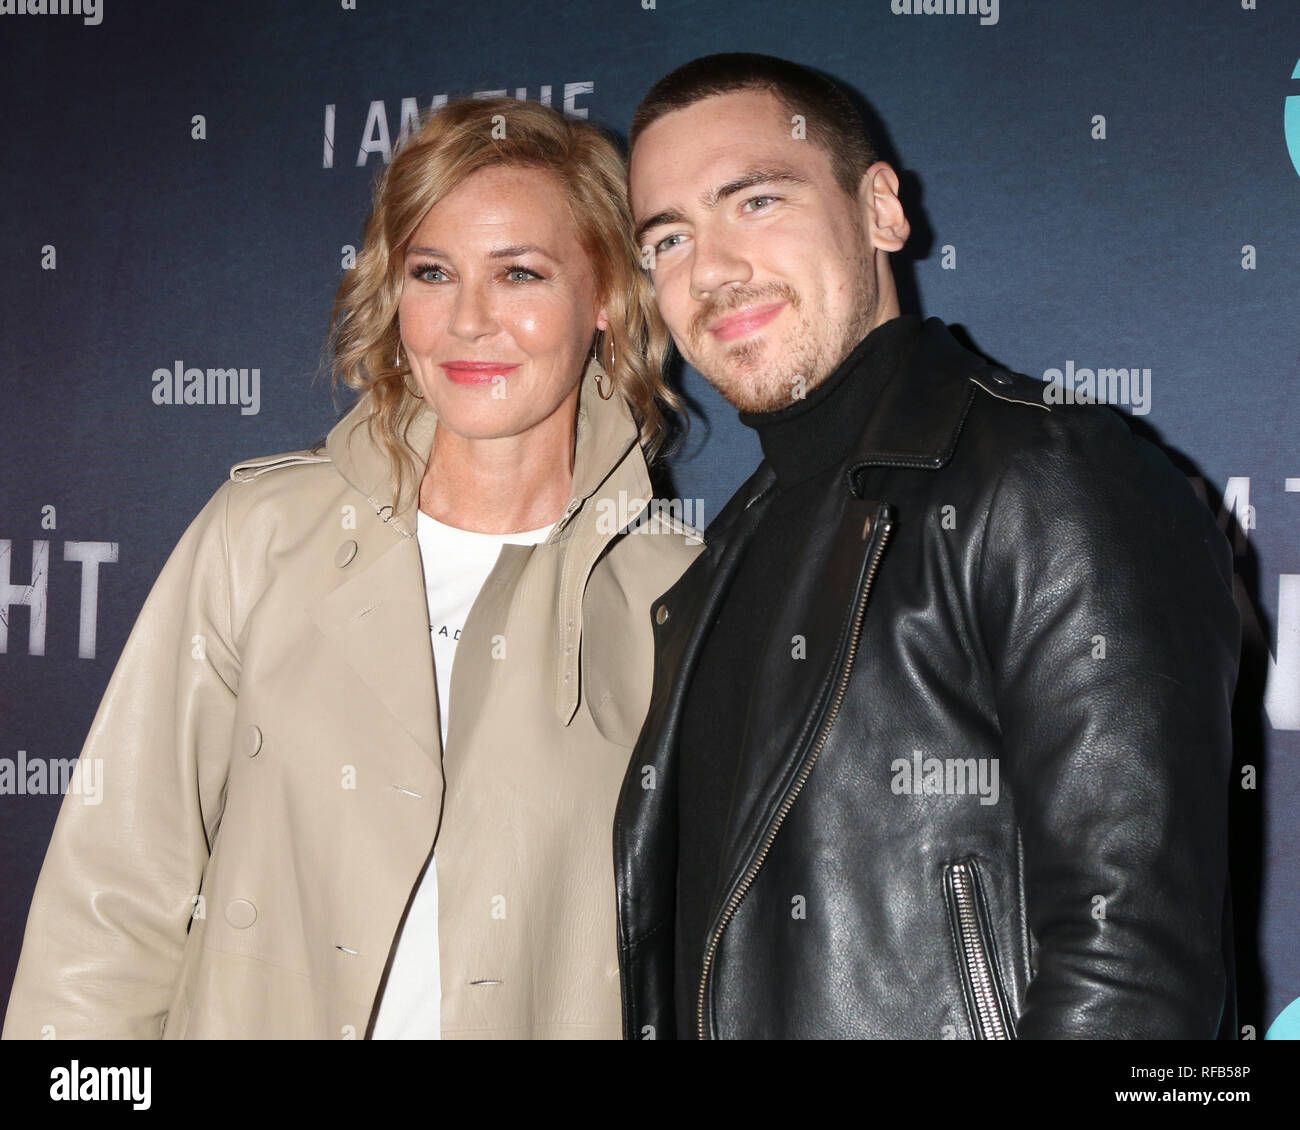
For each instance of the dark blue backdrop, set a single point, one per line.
(1092, 184)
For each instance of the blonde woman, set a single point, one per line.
(313, 825)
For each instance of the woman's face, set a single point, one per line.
(498, 305)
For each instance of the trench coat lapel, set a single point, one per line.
(378, 620)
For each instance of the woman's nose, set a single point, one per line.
(471, 314)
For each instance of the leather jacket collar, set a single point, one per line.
(915, 423)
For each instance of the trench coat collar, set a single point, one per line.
(610, 477)
(606, 436)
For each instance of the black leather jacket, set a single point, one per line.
(998, 582)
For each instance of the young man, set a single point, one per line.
(939, 738)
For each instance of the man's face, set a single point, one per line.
(762, 265)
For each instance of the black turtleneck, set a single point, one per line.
(818, 432)
(804, 443)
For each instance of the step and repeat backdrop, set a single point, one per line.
(1099, 185)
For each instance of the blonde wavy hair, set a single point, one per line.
(439, 152)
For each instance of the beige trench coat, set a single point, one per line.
(274, 778)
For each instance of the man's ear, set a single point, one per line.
(882, 211)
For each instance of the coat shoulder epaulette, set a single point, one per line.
(248, 469)
(1015, 387)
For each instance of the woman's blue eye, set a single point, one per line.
(430, 273)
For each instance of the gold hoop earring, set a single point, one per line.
(397, 362)
(600, 388)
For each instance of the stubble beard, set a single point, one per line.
(759, 376)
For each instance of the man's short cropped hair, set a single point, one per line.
(830, 118)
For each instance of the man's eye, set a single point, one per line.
(757, 199)
(667, 243)
(423, 270)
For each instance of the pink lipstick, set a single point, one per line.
(476, 372)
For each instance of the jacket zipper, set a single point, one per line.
(974, 954)
(883, 526)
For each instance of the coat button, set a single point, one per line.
(241, 913)
(254, 741)
(661, 614)
(346, 552)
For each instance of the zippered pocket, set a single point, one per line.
(972, 936)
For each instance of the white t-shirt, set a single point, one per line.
(456, 563)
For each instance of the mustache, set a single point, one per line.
(738, 298)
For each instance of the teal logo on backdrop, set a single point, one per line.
(1287, 1025)
(1293, 123)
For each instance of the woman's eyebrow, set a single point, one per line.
(496, 253)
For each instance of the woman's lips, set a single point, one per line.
(476, 372)
(745, 321)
